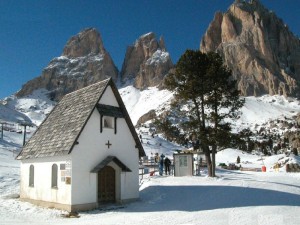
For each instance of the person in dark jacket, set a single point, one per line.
(161, 164)
(167, 165)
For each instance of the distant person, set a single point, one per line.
(161, 164)
(156, 158)
(167, 165)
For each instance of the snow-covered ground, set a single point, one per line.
(35, 106)
(234, 197)
(260, 110)
(140, 102)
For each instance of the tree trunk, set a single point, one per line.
(208, 160)
(213, 159)
(214, 147)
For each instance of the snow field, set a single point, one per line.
(234, 197)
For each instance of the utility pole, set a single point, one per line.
(1, 130)
(24, 136)
(25, 124)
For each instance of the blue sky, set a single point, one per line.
(35, 31)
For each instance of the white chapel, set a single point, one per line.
(85, 153)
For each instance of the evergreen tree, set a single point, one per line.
(295, 151)
(170, 131)
(204, 86)
(223, 100)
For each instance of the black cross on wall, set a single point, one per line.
(108, 144)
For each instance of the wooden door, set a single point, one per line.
(106, 185)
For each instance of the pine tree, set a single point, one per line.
(224, 102)
(170, 131)
(205, 87)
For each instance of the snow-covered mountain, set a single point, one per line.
(84, 61)
(258, 112)
(274, 196)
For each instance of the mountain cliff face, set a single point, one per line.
(257, 46)
(84, 61)
(147, 62)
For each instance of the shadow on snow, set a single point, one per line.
(197, 198)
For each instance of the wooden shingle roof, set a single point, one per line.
(59, 132)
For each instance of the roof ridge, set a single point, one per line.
(89, 86)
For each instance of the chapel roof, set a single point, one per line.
(59, 132)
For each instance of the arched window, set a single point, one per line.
(54, 176)
(31, 176)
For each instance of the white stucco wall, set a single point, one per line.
(42, 190)
(108, 98)
(91, 150)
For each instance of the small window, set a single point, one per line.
(108, 122)
(63, 166)
(183, 161)
(31, 176)
(54, 176)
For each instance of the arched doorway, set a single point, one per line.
(106, 185)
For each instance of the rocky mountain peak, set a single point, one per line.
(84, 61)
(86, 42)
(162, 43)
(257, 46)
(147, 61)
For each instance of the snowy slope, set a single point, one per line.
(140, 102)
(10, 115)
(255, 114)
(234, 197)
(263, 109)
(256, 111)
(35, 106)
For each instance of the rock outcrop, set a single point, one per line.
(84, 61)
(146, 62)
(146, 117)
(258, 47)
